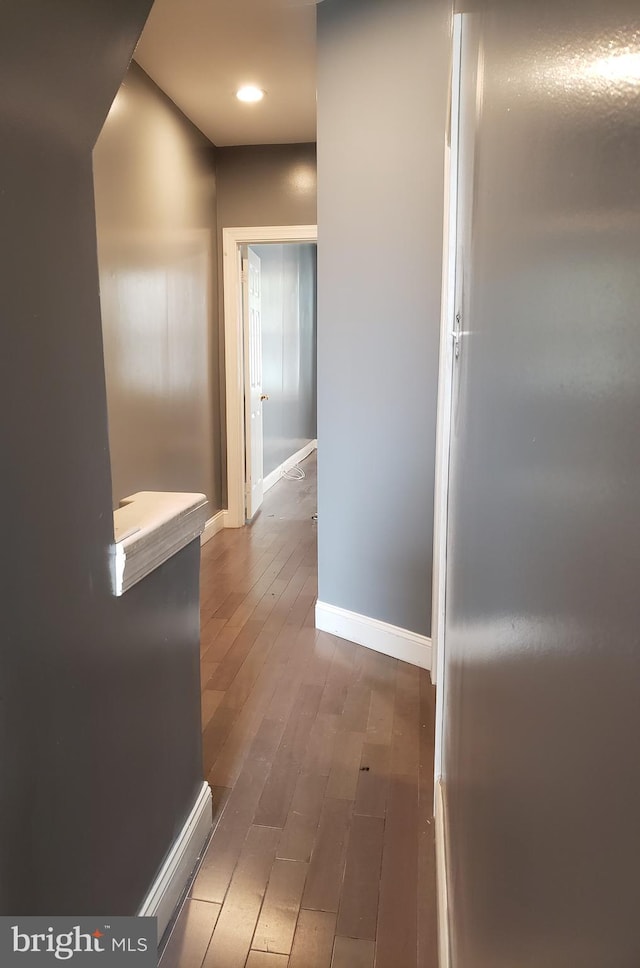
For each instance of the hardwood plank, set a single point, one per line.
(229, 605)
(272, 695)
(355, 714)
(234, 749)
(358, 913)
(381, 709)
(349, 953)
(275, 801)
(427, 956)
(322, 649)
(210, 702)
(248, 672)
(234, 658)
(248, 721)
(310, 620)
(405, 741)
(373, 781)
(345, 767)
(222, 854)
(221, 644)
(207, 669)
(279, 914)
(215, 735)
(191, 935)
(267, 603)
(210, 630)
(396, 942)
(261, 959)
(338, 679)
(299, 834)
(326, 870)
(322, 739)
(231, 939)
(219, 797)
(313, 940)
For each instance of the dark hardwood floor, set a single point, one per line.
(320, 755)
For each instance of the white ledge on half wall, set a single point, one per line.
(148, 528)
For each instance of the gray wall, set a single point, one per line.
(543, 655)
(382, 103)
(99, 709)
(289, 362)
(267, 185)
(157, 245)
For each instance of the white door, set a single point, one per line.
(254, 470)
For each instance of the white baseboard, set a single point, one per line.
(444, 940)
(389, 639)
(167, 889)
(213, 526)
(275, 475)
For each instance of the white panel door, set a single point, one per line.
(254, 469)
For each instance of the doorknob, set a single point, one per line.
(264, 396)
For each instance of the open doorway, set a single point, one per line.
(270, 359)
(279, 313)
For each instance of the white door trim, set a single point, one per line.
(232, 240)
(445, 391)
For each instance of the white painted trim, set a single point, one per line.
(168, 887)
(379, 636)
(445, 374)
(232, 239)
(442, 881)
(297, 458)
(213, 526)
(445, 392)
(149, 528)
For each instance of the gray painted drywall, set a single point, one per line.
(261, 185)
(288, 280)
(266, 185)
(100, 746)
(155, 190)
(542, 784)
(382, 106)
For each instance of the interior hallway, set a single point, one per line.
(320, 755)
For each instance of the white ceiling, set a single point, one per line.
(201, 51)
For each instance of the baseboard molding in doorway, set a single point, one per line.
(379, 636)
(275, 475)
(444, 940)
(213, 526)
(167, 889)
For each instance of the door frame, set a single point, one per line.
(232, 241)
(445, 390)
(442, 481)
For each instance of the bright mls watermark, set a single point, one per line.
(79, 942)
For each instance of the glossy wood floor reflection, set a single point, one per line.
(320, 755)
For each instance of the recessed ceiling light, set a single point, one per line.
(249, 94)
